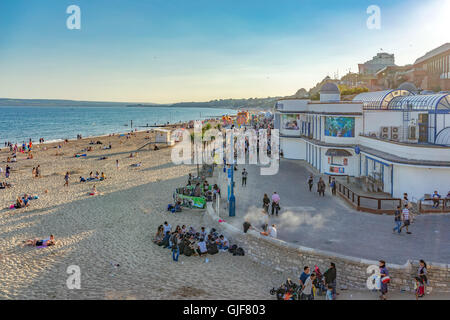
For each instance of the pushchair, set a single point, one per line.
(287, 291)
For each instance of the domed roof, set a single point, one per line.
(330, 87)
(408, 86)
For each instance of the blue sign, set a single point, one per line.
(357, 150)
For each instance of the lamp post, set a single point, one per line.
(232, 200)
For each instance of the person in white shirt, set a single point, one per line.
(273, 231)
(406, 223)
(167, 227)
(223, 243)
(203, 233)
(307, 293)
(202, 247)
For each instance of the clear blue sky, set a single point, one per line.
(197, 50)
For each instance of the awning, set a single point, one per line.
(338, 153)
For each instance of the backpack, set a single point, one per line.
(233, 249)
(239, 252)
(212, 249)
(187, 251)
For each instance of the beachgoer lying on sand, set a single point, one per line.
(4, 185)
(82, 179)
(136, 164)
(40, 243)
(19, 203)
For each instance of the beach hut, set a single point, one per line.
(164, 136)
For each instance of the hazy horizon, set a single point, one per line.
(179, 51)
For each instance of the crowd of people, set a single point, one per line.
(190, 241)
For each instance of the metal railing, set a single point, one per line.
(428, 205)
(366, 203)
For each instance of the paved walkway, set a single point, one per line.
(328, 223)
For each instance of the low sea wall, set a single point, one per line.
(290, 259)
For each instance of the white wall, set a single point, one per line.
(293, 148)
(417, 152)
(293, 105)
(417, 181)
(374, 120)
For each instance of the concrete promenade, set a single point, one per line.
(328, 223)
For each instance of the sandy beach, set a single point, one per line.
(116, 227)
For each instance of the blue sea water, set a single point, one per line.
(18, 124)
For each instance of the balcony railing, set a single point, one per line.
(366, 203)
(430, 205)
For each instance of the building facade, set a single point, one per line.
(432, 71)
(395, 138)
(377, 63)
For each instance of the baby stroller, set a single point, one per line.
(287, 291)
(318, 282)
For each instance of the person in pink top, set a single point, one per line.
(275, 203)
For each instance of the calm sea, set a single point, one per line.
(18, 124)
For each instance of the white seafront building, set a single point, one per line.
(394, 139)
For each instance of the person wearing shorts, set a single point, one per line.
(406, 222)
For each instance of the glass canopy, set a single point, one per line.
(379, 99)
(404, 100)
(426, 102)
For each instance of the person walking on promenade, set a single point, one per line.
(384, 274)
(330, 278)
(310, 182)
(117, 164)
(275, 203)
(244, 177)
(321, 187)
(405, 201)
(406, 223)
(333, 186)
(397, 219)
(266, 203)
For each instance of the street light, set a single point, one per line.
(232, 198)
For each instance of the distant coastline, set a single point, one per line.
(248, 104)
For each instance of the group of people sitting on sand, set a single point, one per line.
(41, 242)
(190, 241)
(97, 177)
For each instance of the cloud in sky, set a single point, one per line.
(167, 51)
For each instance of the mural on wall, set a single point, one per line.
(290, 122)
(340, 127)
